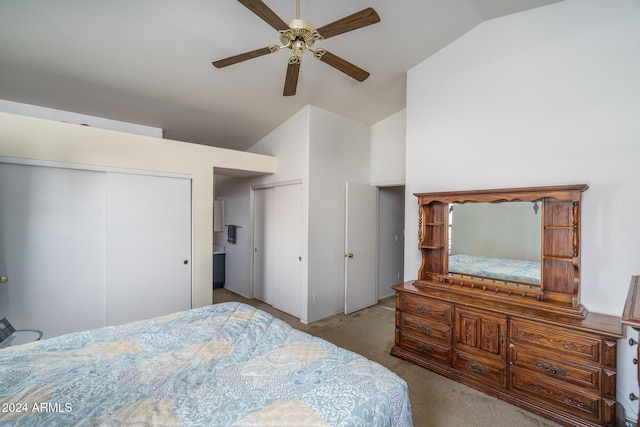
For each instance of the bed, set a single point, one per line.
(221, 365)
(509, 270)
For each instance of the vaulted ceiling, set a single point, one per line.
(149, 61)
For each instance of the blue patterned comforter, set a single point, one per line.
(497, 268)
(222, 365)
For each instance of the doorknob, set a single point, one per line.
(4, 279)
(349, 255)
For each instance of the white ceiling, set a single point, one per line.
(149, 61)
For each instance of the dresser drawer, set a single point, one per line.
(584, 347)
(432, 331)
(434, 311)
(425, 349)
(580, 375)
(547, 391)
(480, 368)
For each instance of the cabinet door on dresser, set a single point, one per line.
(481, 333)
(480, 345)
(569, 370)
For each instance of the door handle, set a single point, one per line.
(4, 279)
(348, 255)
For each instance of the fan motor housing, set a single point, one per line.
(300, 30)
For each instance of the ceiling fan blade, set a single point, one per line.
(291, 80)
(352, 22)
(266, 14)
(341, 64)
(244, 56)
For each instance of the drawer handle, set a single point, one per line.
(478, 369)
(552, 369)
(424, 310)
(424, 349)
(424, 329)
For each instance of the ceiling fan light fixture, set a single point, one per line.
(299, 36)
(298, 47)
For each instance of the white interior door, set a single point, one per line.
(287, 249)
(148, 246)
(360, 247)
(262, 218)
(52, 246)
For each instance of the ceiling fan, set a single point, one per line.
(299, 36)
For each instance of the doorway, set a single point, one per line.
(391, 210)
(374, 244)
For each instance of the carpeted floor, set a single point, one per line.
(436, 401)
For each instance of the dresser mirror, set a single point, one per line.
(496, 242)
(536, 229)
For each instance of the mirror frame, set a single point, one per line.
(560, 246)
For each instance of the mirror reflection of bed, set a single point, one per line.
(496, 242)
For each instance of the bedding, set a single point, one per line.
(221, 365)
(497, 268)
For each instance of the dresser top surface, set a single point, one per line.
(608, 325)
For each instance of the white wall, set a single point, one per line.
(324, 150)
(75, 118)
(35, 138)
(289, 143)
(547, 96)
(388, 147)
(338, 153)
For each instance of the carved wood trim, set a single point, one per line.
(560, 255)
(631, 313)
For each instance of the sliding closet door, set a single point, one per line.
(287, 249)
(52, 233)
(262, 266)
(148, 246)
(278, 247)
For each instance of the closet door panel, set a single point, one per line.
(263, 277)
(148, 246)
(52, 234)
(278, 264)
(287, 249)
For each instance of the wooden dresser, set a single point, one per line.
(564, 370)
(532, 346)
